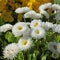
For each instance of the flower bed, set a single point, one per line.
(35, 37)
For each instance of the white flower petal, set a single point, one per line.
(11, 51)
(25, 43)
(38, 33)
(22, 10)
(5, 27)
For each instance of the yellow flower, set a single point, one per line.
(34, 4)
(24, 2)
(7, 16)
(2, 4)
(17, 5)
(46, 1)
(20, 16)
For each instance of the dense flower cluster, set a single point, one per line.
(36, 30)
(37, 37)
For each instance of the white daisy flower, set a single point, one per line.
(22, 10)
(45, 6)
(57, 29)
(5, 27)
(56, 7)
(57, 16)
(11, 51)
(52, 46)
(38, 33)
(19, 29)
(25, 43)
(38, 15)
(49, 25)
(55, 55)
(45, 13)
(32, 14)
(54, 26)
(58, 48)
(35, 24)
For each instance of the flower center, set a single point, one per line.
(36, 24)
(55, 47)
(25, 42)
(20, 28)
(37, 31)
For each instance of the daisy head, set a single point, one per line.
(49, 25)
(30, 14)
(10, 51)
(45, 6)
(58, 48)
(57, 16)
(55, 55)
(52, 46)
(56, 7)
(5, 27)
(35, 24)
(22, 10)
(19, 29)
(38, 33)
(56, 28)
(25, 43)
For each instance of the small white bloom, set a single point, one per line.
(57, 16)
(56, 7)
(25, 43)
(38, 33)
(45, 13)
(22, 10)
(19, 29)
(5, 27)
(57, 29)
(45, 6)
(11, 51)
(32, 14)
(38, 15)
(55, 55)
(54, 26)
(52, 46)
(58, 48)
(35, 24)
(49, 25)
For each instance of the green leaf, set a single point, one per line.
(43, 57)
(33, 56)
(1, 21)
(36, 52)
(20, 56)
(58, 38)
(9, 36)
(29, 57)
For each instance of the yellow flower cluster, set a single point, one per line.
(34, 4)
(7, 7)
